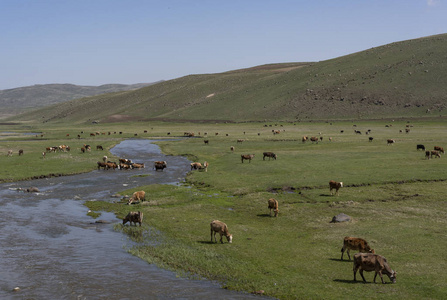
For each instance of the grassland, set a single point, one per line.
(395, 196)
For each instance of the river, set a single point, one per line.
(51, 249)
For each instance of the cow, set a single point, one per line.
(370, 138)
(420, 146)
(125, 167)
(83, 150)
(137, 166)
(269, 155)
(111, 164)
(335, 185)
(44, 154)
(304, 139)
(249, 157)
(221, 228)
(101, 165)
(160, 165)
(104, 158)
(373, 262)
(435, 154)
(205, 166)
(240, 141)
(135, 217)
(196, 166)
(139, 196)
(273, 204)
(390, 142)
(314, 139)
(206, 142)
(99, 147)
(20, 152)
(358, 244)
(427, 154)
(232, 148)
(440, 149)
(9, 153)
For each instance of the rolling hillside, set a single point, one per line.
(18, 100)
(402, 79)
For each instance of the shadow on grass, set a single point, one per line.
(208, 242)
(338, 259)
(350, 281)
(326, 195)
(263, 215)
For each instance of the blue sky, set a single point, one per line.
(94, 42)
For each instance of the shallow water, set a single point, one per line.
(51, 249)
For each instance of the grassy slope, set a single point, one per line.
(399, 79)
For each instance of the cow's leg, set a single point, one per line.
(355, 271)
(211, 235)
(361, 273)
(349, 256)
(342, 252)
(221, 236)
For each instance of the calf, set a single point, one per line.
(358, 244)
(335, 185)
(373, 262)
(273, 204)
(135, 217)
(269, 155)
(221, 228)
(249, 157)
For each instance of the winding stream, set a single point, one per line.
(51, 249)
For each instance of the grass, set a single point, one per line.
(395, 197)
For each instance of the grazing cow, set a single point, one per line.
(139, 196)
(44, 154)
(205, 166)
(273, 204)
(276, 131)
(435, 154)
(20, 152)
(440, 149)
(196, 166)
(427, 154)
(92, 134)
(304, 139)
(232, 148)
(269, 155)
(221, 228)
(371, 138)
(373, 262)
(420, 146)
(135, 217)
(206, 142)
(249, 157)
(9, 152)
(335, 185)
(83, 150)
(358, 244)
(99, 147)
(239, 141)
(160, 165)
(111, 164)
(357, 131)
(314, 139)
(390, 142)
(101, 165)
(137, 166)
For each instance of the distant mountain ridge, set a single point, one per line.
(21, 99)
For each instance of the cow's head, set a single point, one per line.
(393, 276)
(230, 238)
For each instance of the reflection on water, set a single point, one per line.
(51, 249)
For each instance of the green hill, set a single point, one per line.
(402, 79)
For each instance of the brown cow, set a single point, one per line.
(427, 154)
(249, 157)
(373, 262)
(9, 152)
(137, 165)
(304, 139)
(435, 154)
(273, 204)
(139, 196)
(101, 165)
(269, 155)
(205, 166)
(160, 165)
(196, 166)
(221, 228)
(335, 185)
(314, 139)
(99, 147)
(135, 217)
(358, 244)
(440, 149)
(390, 142)
(20, 152)
(111, 164)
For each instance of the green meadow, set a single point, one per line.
(395, 196)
